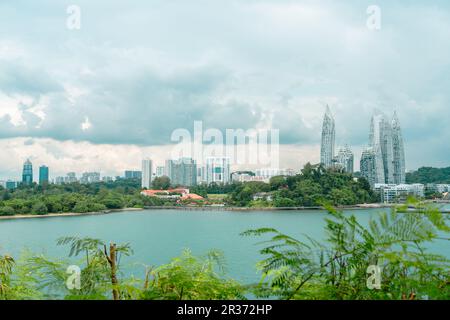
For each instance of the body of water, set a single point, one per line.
(156, 236)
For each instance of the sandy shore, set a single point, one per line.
(66, 214)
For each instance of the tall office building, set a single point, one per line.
(345, 159)
(218, 170)
(146, 173)
(368, 165)
(27, 173)
(328, 139)
(398, 151)
(182, 172)
(43, 175)
(386, 142)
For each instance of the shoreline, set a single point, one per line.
(187, 208)
(67, 214)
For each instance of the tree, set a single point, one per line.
(161, 183)
(6, 211)
(39, 208)
(277, 182)
(191, 278)
(337, 268)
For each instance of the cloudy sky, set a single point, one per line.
(107, 95)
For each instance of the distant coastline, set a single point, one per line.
(192, 208)
(67, 214)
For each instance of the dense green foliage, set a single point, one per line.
(74, 197)
(426, 175)
(313, 187)
(293, 269)
(161, 183)
(338, 268)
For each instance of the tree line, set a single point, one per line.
(314, 186)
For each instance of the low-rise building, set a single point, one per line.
(395, 193)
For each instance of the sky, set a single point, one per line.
(106, 95)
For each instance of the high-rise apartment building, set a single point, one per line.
(129, 174)
(146, 173)
(328, 139)
(43, 175)
(368, 166)
(218, 170)
(182, 172)
(345, 159)
(27, 173)
(90, 177)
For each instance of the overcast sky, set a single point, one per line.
(107, 95)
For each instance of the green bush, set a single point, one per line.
(39, 208)
(6, 211)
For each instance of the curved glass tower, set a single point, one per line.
(328, 137)
(398, 151)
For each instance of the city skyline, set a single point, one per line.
(102, 98)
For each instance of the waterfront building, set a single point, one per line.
(27, 173)
(218, 170)
(393, 193)
(146, 173)
(182, 172)
(43, 175)
(437, 188)
(328, 139)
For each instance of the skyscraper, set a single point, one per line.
(218, 170)
(328, 138)
(381, 142)
(43, 175)
(386, 143)
(345, 159)
(146, 173)
(368, 165)
(27, 173)
(182, 172)
(398, 151)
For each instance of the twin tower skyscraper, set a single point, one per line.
(383, 161)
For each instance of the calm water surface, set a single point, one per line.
(159, 235)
